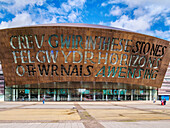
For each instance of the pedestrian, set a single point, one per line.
(154, 100)
(164, 101)
(43, 100)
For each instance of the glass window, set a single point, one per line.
(49, 94)
(23, 94)
(34, 94)
(8, 94)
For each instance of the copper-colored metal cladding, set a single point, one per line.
(95, 53)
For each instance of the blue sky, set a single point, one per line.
(151, 17)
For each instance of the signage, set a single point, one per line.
(58, 54)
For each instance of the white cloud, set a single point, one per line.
(143, 7)
(26, 14)
(6, 1)
(2, 15)
(55, 10)
(70, 4)
(167, 22)
(14, 6)
(130, 24)
(141, 15)
(76, 3)
(49, 20)
(141, 3)
(23, 19)
(115, 11)
(163, 34)
(73, 16)
(66, 7)
(104, 4)
(139, 26)
(68, 11)
(160, 34)
(62, 19)
(139, 12)
(101, 23)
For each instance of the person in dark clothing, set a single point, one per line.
(164, 101)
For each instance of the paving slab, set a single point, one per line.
(85, 114)
(41, 125)
(5, 106)
(94, 102)
(102, 107)
(39, 114)
(124, 114)
(50, 106)
(149, 124)
(149, 106)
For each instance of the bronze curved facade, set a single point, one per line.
(80, 52)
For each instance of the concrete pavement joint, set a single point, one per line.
(88, 120)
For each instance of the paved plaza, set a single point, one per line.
(122, 114)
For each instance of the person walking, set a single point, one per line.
(43, 100)
(154, 101)
(164, 101)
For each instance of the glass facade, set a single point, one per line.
(76, 91)
(79, 91)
